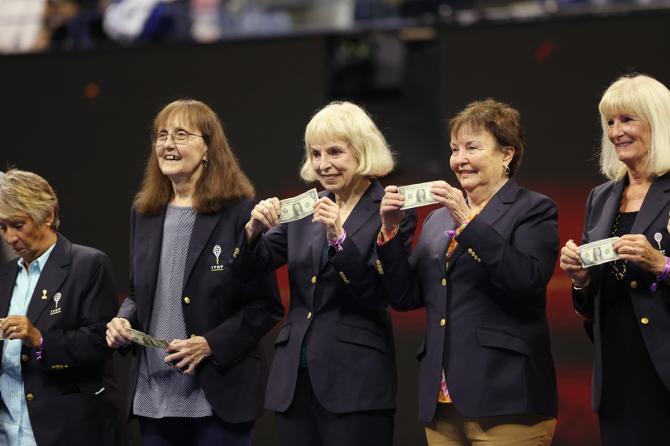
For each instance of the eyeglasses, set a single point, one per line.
(178, 136)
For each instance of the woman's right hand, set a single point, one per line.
(390, 211)
(117, 332)
(264, 215)
(571, 263)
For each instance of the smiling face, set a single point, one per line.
(478, 162)
(335, 165)
(180, 150)
(631, 137)
(26, 237)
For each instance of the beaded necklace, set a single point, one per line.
(619, 268)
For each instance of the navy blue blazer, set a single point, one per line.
(602, 206)
(233, 316)
(71, 393)
(486, 321)
(339, 310)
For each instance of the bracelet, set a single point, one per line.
(337, 244)
(453, 232)
(39, 351)
(579, 288)
(662, 276)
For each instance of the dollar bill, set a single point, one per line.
(598, 252)
(417, 195)
(144, 339)
(298, 207)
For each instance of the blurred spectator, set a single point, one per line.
(129, 21)
(21, 25)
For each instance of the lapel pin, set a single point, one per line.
(217, 252)
(44, 295)
(658, 237)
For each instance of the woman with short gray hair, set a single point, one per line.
(56, 377)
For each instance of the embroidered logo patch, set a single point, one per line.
(56, 309)
(217, 252)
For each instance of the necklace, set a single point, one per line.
(619, 267)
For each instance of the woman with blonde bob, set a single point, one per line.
(625, 302)
(57, 382)
(194, 201)
(333, 379)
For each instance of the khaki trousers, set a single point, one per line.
(451, 428)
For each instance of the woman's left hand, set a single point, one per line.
(451, 198)
(637, 249)
(20, 327)
(328, 212)
(186, 354)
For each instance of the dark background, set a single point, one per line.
(83, 120)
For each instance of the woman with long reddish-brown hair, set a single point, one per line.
(207, 388)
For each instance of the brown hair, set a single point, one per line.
(222, 179)
(500, 120)
(24, 193)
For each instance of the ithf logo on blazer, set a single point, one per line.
(217, 253)
(56, 309)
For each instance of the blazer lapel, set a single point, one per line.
(202, 231)
(315, 232)
(497, 206)
(7, 282)
(656, 200)
(367, 207)
(603, 228)
(148, 229)
(500, 203)
(52, 277)
(440, 225)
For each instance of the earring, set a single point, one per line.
(506, 170)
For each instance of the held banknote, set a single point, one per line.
(417, 195)
(598, 252)
(298, 207)
(2, 334)
(146, 340)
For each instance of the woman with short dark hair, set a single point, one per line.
(480, 269)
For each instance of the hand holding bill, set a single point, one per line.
(451, 198)
(117, 332)
(20, 327)
(326, 211)
(186, 354)
(264, 215)
(636, 249)
(570, 262)
(390, 209)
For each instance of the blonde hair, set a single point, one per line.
(25, 193)
(347, 122)
(648, 99)
(222, 178)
